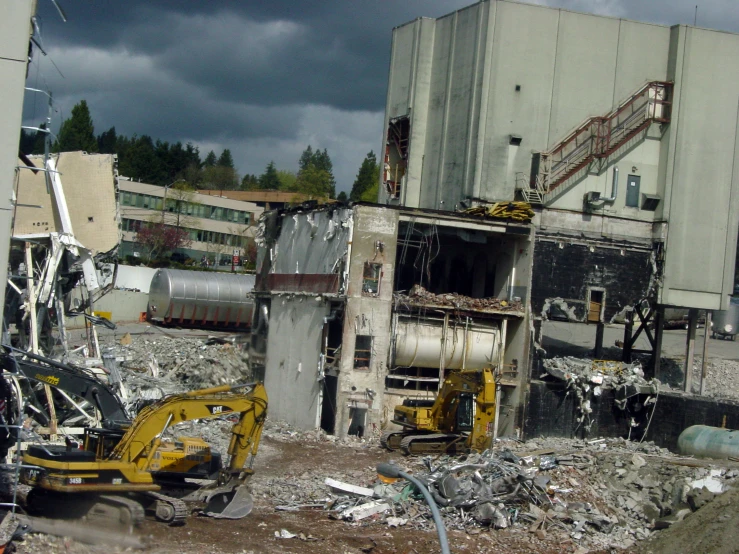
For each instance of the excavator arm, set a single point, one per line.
(71, 380)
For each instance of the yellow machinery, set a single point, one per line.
(460, 419)
(119, 474)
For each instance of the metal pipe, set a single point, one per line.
(389, 470)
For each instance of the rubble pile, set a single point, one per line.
(722, 379)
(606, 493)
(153, 367)
(587, 378)
(419, 295)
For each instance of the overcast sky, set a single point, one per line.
(264, 78)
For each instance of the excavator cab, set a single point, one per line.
(101, 441)
(465, 413)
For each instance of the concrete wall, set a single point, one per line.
(89, 186)
(292, 375)
(15, 31)
(123, 306)
(366, 314)
(702, 169)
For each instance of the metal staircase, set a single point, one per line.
(594, 141)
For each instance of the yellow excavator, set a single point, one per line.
(120, 474)
(460, 419)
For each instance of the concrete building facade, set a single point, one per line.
(216, 225)
(348, 323)
(90, 194)
(623, 135)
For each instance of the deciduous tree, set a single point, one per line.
(158, 239)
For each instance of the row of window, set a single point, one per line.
(150, 202)
(199, 235)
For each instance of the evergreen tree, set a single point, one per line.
(210, 159)
(250, 182)
(107, 142)
(269, 180)
(77, 132)
(226, 160)
(306, 158)
(314, 182)
(323, 162)
(342, 197)
(368, 178)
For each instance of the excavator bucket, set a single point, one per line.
(229, 503)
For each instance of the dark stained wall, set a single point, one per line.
(568, 271)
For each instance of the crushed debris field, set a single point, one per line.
(317, 493)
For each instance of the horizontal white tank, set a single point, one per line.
(419, 344)
(201, 298)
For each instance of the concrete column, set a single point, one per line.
(628, 334)
(659, 327)
(599, 330)
(690, 348)
(704, 365)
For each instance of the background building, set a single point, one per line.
(622, 133)
(216, 225)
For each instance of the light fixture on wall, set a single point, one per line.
(634, 169)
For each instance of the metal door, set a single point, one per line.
(632, 191)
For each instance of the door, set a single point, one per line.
(596, 305)
(632, 191)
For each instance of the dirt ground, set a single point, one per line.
(285, 460)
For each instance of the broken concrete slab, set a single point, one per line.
(348, 488)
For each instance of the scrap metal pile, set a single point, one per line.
(517, 211)
(419, 295)
(587, 378)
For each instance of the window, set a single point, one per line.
(371, 279)
(362, 352)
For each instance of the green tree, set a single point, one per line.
(226, 160)
(314, 182)
(107, 142)
(249, 182)
(287, 180)
(220, 177)
(367, 182)
(210, 159)
(323, 161)
(342, 197)
(269, 180)
(77, 132)
(306, 158)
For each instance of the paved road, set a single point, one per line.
(576, 339)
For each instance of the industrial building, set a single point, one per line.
(358, 308)
(216, 225)
(622, 135)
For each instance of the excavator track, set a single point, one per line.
(131, 513)
(391, 440)
(431, 443)
(108, 510)
(168, 509)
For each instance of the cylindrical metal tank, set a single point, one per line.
(726, 322)
(709, 442)
(200, 298)
(418, 344)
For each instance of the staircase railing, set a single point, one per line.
(597, 138)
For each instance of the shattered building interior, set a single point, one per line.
(387, 300)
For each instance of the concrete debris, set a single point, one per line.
(587, 378)
(601, 494)
(419, 295)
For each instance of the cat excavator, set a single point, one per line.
(460, 419)
(117, 476)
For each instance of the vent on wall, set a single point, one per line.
(650, 202)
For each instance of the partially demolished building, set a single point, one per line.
(621, 133)
(359, 307)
